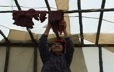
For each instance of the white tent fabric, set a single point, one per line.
(21, 36)
(21, 58)
(90, 23)
(2, 58)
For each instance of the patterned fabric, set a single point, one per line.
(54, 63)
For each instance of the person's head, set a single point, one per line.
(58, 46)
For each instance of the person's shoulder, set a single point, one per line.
(67, 38)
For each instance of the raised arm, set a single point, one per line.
(46, 32)
(43, 45)
(69, 46)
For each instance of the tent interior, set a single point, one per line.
(89, 22)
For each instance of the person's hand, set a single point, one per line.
(63, 23)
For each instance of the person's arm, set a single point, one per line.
(46, 32)
(69, 47)
(43, 45)
(64, 29)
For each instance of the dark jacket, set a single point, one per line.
(53, 63)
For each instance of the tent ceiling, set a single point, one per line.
(89, 20)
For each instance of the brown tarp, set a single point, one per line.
(105, 38)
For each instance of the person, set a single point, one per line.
(59, 57)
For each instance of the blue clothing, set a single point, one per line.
(54, 63)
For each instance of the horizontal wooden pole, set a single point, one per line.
(76, 11)
(75, 45)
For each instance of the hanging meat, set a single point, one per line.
(24, 18)
(56, 20)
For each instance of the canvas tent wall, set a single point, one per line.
(90, 24)
(105, 38)
(21, 58)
